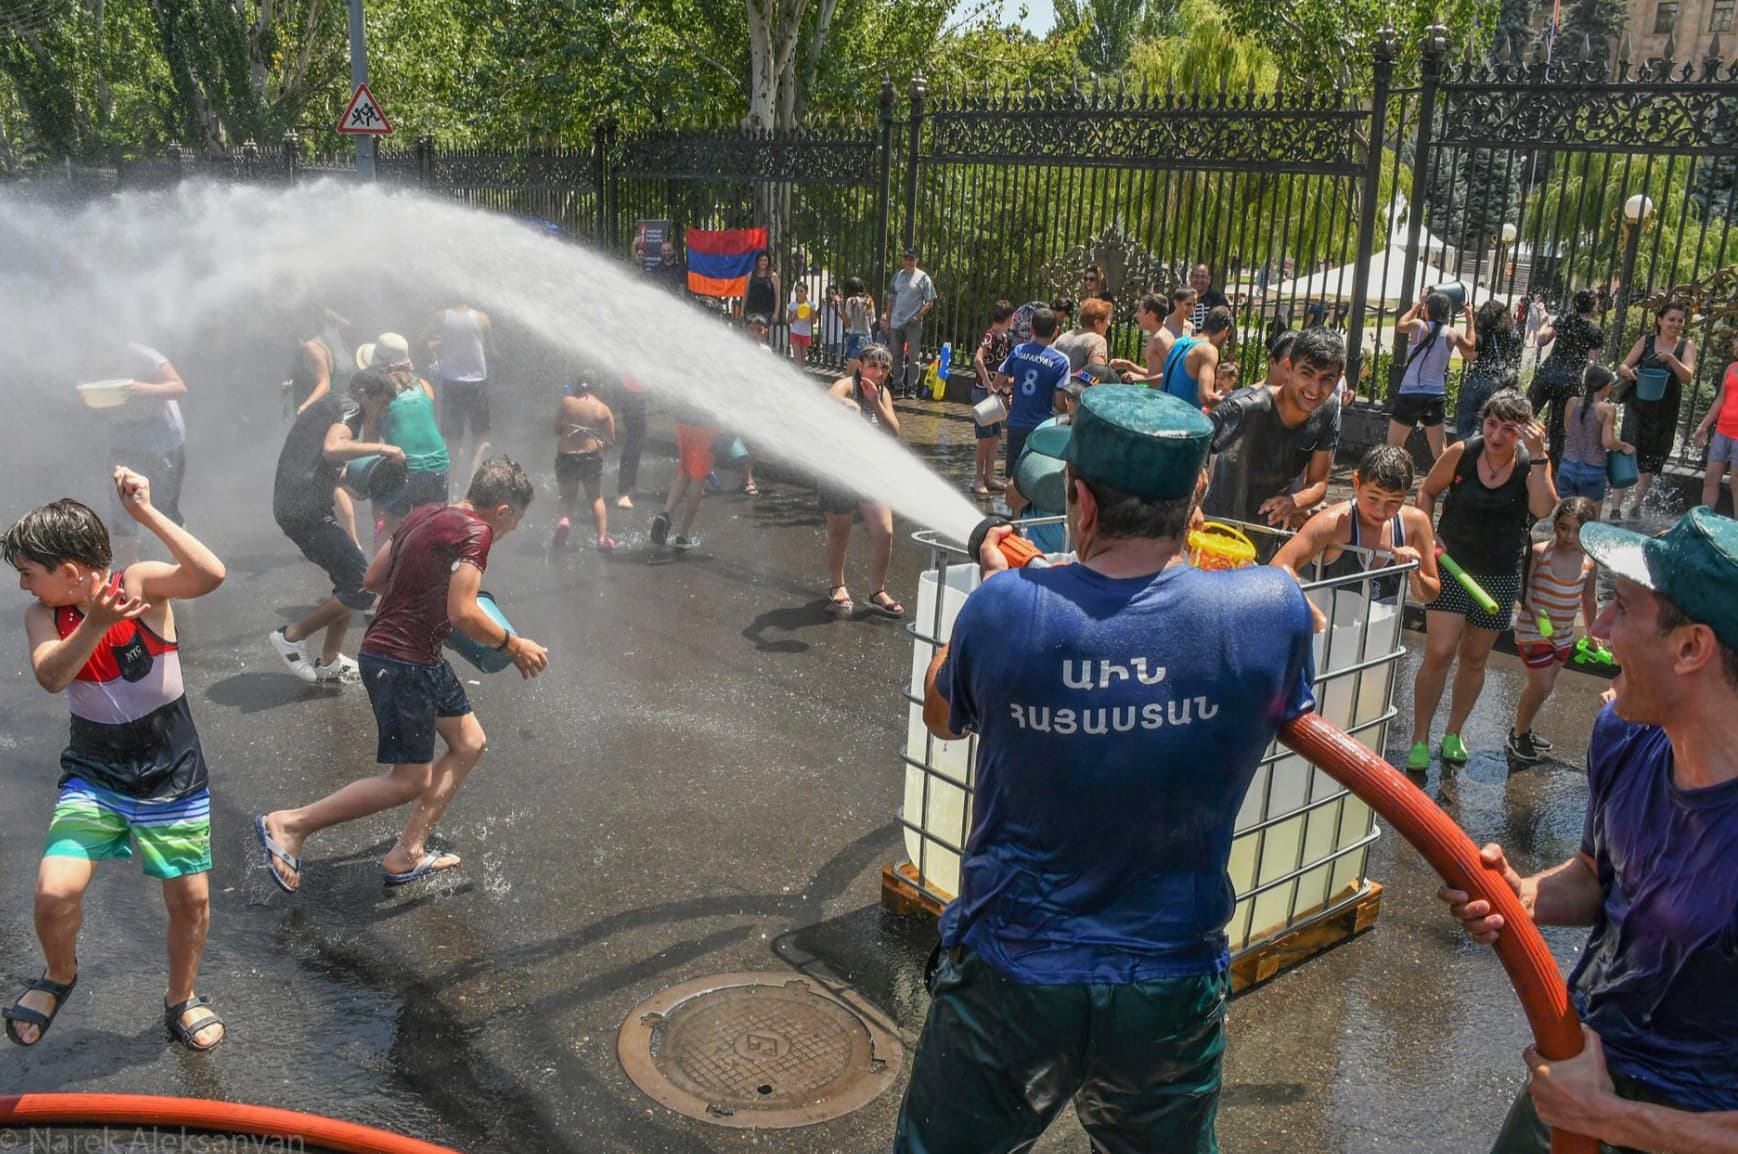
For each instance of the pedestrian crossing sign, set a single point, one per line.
(362, 116)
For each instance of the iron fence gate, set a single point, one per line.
(822, 194)
(1514, 178)
(1543, 177)
(1014, 195)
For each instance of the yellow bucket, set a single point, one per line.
(1218, 546)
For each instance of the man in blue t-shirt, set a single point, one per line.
(1657, 873)
(1033, 371)
(1121, 705)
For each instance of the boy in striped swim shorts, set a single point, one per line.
(133, 776)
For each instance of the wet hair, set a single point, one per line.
(374, 382)
(875, 354)
(500, 481)
(1095, 310)
(1001, 312)
(1387, 467)
(1063, 306)
(1579, 508)
(1044, 323)
(61, 531)
(1279, 347)
(1318, 348)
(1123, 516)
(1670, 307)
(1437, 307)
(1584, 300)
(753, 319)
(1593, 378)
(1507, 405)
(1493, 321)
(1155, 304)
(1217, 320)
(1669, 617)
(853, 286)
(1182, 293)
(1229, 368)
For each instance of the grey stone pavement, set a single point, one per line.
(704, 781)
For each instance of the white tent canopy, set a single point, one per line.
(1387, 279)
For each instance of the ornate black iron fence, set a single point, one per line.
(822, 195)
(1015, 195)
(1542, 178)
(1514, 178)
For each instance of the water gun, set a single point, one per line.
(1473, 588)
(1589, 653)
(1546, 629)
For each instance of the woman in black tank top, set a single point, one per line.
(1652, 426)
(762, 296)
(1494, 485)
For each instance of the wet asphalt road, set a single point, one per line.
(704, 781)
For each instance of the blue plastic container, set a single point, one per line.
(376, 478)
(484, 658)
(1620, 470)
(1650, 384)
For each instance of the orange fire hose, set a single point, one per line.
(1531, 968)
(1520, 948)
(199, 1114)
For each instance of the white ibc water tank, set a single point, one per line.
(1301, 842)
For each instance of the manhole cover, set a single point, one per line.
(758, 1050)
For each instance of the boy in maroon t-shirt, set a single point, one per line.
(428, 574)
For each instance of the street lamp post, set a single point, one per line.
(1505, 241)
(1637, 211)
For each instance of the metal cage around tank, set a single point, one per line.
(1301, 846)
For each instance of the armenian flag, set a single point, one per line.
(719, 260)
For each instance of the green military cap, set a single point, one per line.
(1694, 565)
(1142, 441)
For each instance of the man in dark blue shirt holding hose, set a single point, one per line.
(1122, 704)
(1657, 873)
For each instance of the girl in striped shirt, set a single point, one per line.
(1557, 585)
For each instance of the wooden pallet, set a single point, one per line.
(1255, 966)
(900, 894)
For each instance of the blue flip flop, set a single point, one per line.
(274, 850)
(423, 869)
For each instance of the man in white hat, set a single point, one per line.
(409, 422)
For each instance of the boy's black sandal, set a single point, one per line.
(16, 1013)
(179, 1031)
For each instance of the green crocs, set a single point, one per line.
(1453, 752)
(1418, 760)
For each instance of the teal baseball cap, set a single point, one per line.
(1142, 441)
(1038, 473)
(1694, 565)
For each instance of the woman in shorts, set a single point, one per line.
(1492, 486)
(1718, 433)
(1424, 383)
(865, 393)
